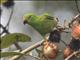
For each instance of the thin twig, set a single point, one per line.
(5, 30)
(12, 10)
(64, 42)
(27, 50)
(74, 53)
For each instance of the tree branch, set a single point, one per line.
(74, 53)
(12, 10)
(27, 50)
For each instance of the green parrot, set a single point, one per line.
(43, 24)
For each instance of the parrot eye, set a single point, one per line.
(30, 16)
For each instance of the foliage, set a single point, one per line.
(10, 39)
(7, 54)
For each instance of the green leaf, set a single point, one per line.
(7, 54)
(10, 39)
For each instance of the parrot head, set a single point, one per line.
(28, 17)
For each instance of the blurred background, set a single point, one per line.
(64, 10)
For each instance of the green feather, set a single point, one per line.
(43, 24)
